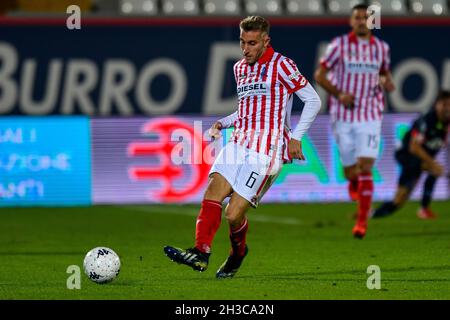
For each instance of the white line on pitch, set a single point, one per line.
(194, 212)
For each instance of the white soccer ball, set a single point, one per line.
(101, 265)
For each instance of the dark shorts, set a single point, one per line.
(411, 169)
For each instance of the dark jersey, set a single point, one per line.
(429, 131)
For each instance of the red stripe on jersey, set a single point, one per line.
(363, 84)
(326, 63)
(247, 106)
(374, 100)
(241, 105)
(272, 102)
(263, 111)
(347, 85)
(287, 72)
(280, 128)
(341, 82)
(357, 82)
(254, 111)
(356, 106)
(369, 89)
(361, 92)
(238, 70)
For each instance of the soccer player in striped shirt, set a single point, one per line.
(261, 142)
(354, 71)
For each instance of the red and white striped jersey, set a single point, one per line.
(264, 101)
(354, 67)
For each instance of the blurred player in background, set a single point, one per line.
(419, 147)
(260, 143)
(354, 71)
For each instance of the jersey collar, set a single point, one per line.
(352, 37)
(267, 56)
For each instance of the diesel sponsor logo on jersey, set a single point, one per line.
(362, 67)
(257, 88)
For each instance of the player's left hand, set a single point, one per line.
(214, 131)
(295, 149)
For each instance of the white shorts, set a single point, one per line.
(249, 173)
(357, 140)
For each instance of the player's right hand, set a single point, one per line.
(295, 150)
(214, 132)
(346, 99)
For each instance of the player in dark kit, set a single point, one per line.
(416, 154)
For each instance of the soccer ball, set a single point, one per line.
(101, 265)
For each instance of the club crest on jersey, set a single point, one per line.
(263, 71)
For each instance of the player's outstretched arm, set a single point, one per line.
(228, 121)
(311, 108)
(223, 123)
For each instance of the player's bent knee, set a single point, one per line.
(365, 165)
(234, 215)
(351, 173)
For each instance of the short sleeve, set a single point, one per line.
(290, 76)
(332, 54)
(419, 130)
(386, 63)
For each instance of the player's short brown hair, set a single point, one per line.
(360, 6)
(443, 94)
(255, 23)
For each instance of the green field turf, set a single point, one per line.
(300, 251)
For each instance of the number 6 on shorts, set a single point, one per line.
(251, 180)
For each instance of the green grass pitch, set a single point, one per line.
(296, 251)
